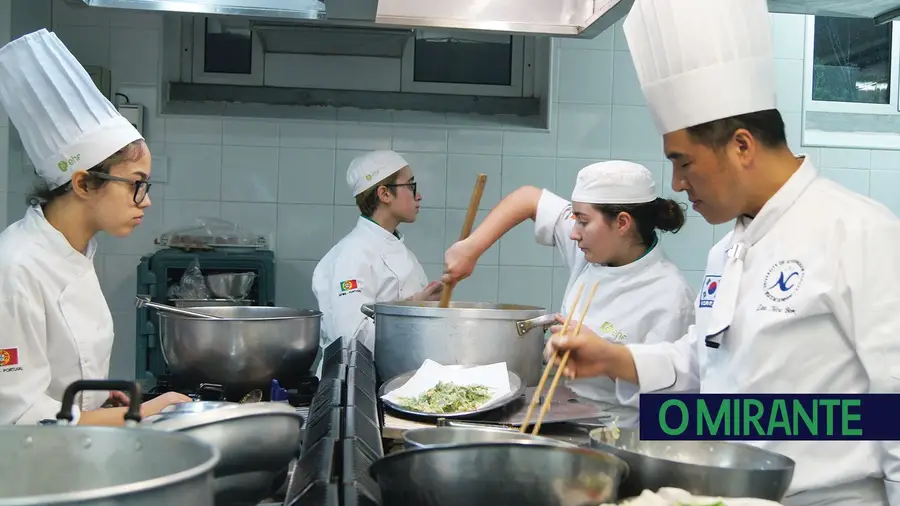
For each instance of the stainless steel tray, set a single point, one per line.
(517, 388)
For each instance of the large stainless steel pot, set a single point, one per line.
(432, 437)
(257, 442)
(101, 466)
(245, 349)
(708, 468)
(466, 333)
(499, 473)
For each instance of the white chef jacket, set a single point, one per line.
(56, 325)
(368, 265)
(646, 301)
(833, 330)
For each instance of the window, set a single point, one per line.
(226, 52)
(851, 88)
(237, 51)
(470, 63)
(851, 66)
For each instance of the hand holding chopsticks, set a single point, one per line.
(545, 407)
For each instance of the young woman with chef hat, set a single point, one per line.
(372, 263)
(802, 296)
(57, 327)
(606, 235)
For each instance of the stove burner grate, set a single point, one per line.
(299, 392)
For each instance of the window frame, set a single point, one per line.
(521, 74)
(257, 74)
(847, 138)
(810, 105)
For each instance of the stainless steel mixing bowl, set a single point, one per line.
(709, 468)
(232, 285)
(498, 474)
(245, 349)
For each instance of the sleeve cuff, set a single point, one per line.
(550, 210)
(628, 393)
(654, 367)
(46, 410)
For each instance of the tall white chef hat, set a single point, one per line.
(65, 123)
(367, 170)
(615, 182)
(702, 60)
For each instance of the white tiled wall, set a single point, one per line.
(287, 178)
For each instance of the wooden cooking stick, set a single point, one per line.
(477, 192)
(537, 392)
(562, 363)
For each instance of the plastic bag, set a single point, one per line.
(192, 285)
(209, 233)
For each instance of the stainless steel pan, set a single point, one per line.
(433, 437)
(257, 442)
(498, 474)
(707, 468)
(100, 466)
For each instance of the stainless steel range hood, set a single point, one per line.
(560, 18)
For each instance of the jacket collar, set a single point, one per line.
(369, 225)
(653, 255)
(36, 223)
(755, 228)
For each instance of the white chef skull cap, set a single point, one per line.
(367, 170)
(65, 123)
(615, 182)
(702, 60)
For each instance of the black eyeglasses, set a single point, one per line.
(141, 187)
(412, 186)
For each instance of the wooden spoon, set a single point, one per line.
(477, 192)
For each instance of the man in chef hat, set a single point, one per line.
(57, 327)
(802, 295)
(372, 263)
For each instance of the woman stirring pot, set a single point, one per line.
(606, 235)
(57, 327)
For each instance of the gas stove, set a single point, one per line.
(298, 392)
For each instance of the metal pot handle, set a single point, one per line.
(133, 389)
(545, 321)
(368, 310)
(445, 422)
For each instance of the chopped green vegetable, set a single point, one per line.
(448, 397)
(717, 503)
